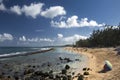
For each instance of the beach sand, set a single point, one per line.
(96, 57)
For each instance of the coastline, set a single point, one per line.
(96, 58)
(52, 63)
(25, 54)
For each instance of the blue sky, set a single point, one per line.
(53, 22)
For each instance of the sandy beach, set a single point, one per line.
(96, 57)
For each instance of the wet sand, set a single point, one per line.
(96, 57)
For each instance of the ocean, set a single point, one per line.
(42, 60)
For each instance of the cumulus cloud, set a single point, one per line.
(53, 12)
(5, 36)
(74, 22)
(35, 9)
(32, 10)
(46, 39)
(1, 1)
(60, 35)
(62, 40)
(24, 39)
(40, 40)
(73, 38)
(2, 7)
(16, 9)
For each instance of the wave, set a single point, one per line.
(12, 54)
(25, 53)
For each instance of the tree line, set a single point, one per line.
(108, 37)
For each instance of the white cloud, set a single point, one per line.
(2, 7)
(60, 35)
(59, 40)
(74, 38)
(53, 12)
(74, 22)
(46, 40)
(33, 10)
(5, 36)
(16, 9)
(23, 38)
(1, 1)
(68, 39)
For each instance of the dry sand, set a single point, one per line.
(97, 56)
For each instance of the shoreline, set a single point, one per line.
(47, 66)
(26, 54)
(96, 58)
(91, 58)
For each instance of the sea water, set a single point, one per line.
(42, 60)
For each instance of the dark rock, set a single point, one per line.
(67, 67)
(68, 59)
(51, 76)
(27, 78)
(43, 65)
(50, 72)
(64, 71)
(38, 73)
(9, 76)
(60, 58)
(16, 77)
(80, 77)
(33, 66)
(118, 52)
(3, 73)
(57, 77)
(86, 73)
(77, 59)
(1, 76)
(48, 64)
(65, 78)
(73, 73)
(28, 71)
(84, 69)
(29, 66)
(69, 77)
(46, 74)
(58, 63)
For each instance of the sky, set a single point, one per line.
(53, 22)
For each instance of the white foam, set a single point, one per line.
(12, 54)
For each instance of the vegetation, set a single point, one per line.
(108, 37)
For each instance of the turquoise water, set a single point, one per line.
(51, 58)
